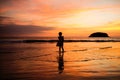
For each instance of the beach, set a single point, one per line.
(33, 32)
(41, 61)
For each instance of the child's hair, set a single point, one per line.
(60, 33)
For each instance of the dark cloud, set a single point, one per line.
(9, 2)
(16, 30)
(4, 18)
(11, 20)
(9, 28)
(6, 3)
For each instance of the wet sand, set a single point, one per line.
(42, 61)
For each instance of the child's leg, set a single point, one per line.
(62, 49)
(59, 48)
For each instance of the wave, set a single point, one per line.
(32, 41)
(29, 41)
(11, 41)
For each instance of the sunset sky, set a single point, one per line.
(47, 17)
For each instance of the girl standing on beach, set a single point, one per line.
(60, 41)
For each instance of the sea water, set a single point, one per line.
(41, 60)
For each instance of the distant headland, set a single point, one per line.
(99, 34)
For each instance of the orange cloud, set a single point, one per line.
(73, 16)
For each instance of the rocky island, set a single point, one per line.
(99, 34)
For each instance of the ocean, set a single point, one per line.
(54, 39)
(36, 58)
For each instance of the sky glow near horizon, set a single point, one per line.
(48, 17)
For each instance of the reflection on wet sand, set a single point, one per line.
(78, 62)
(60, 62)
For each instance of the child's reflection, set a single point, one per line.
(60, 62)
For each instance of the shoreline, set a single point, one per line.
(28, 41)
(52, 41)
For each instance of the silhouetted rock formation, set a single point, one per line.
(99, 34)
